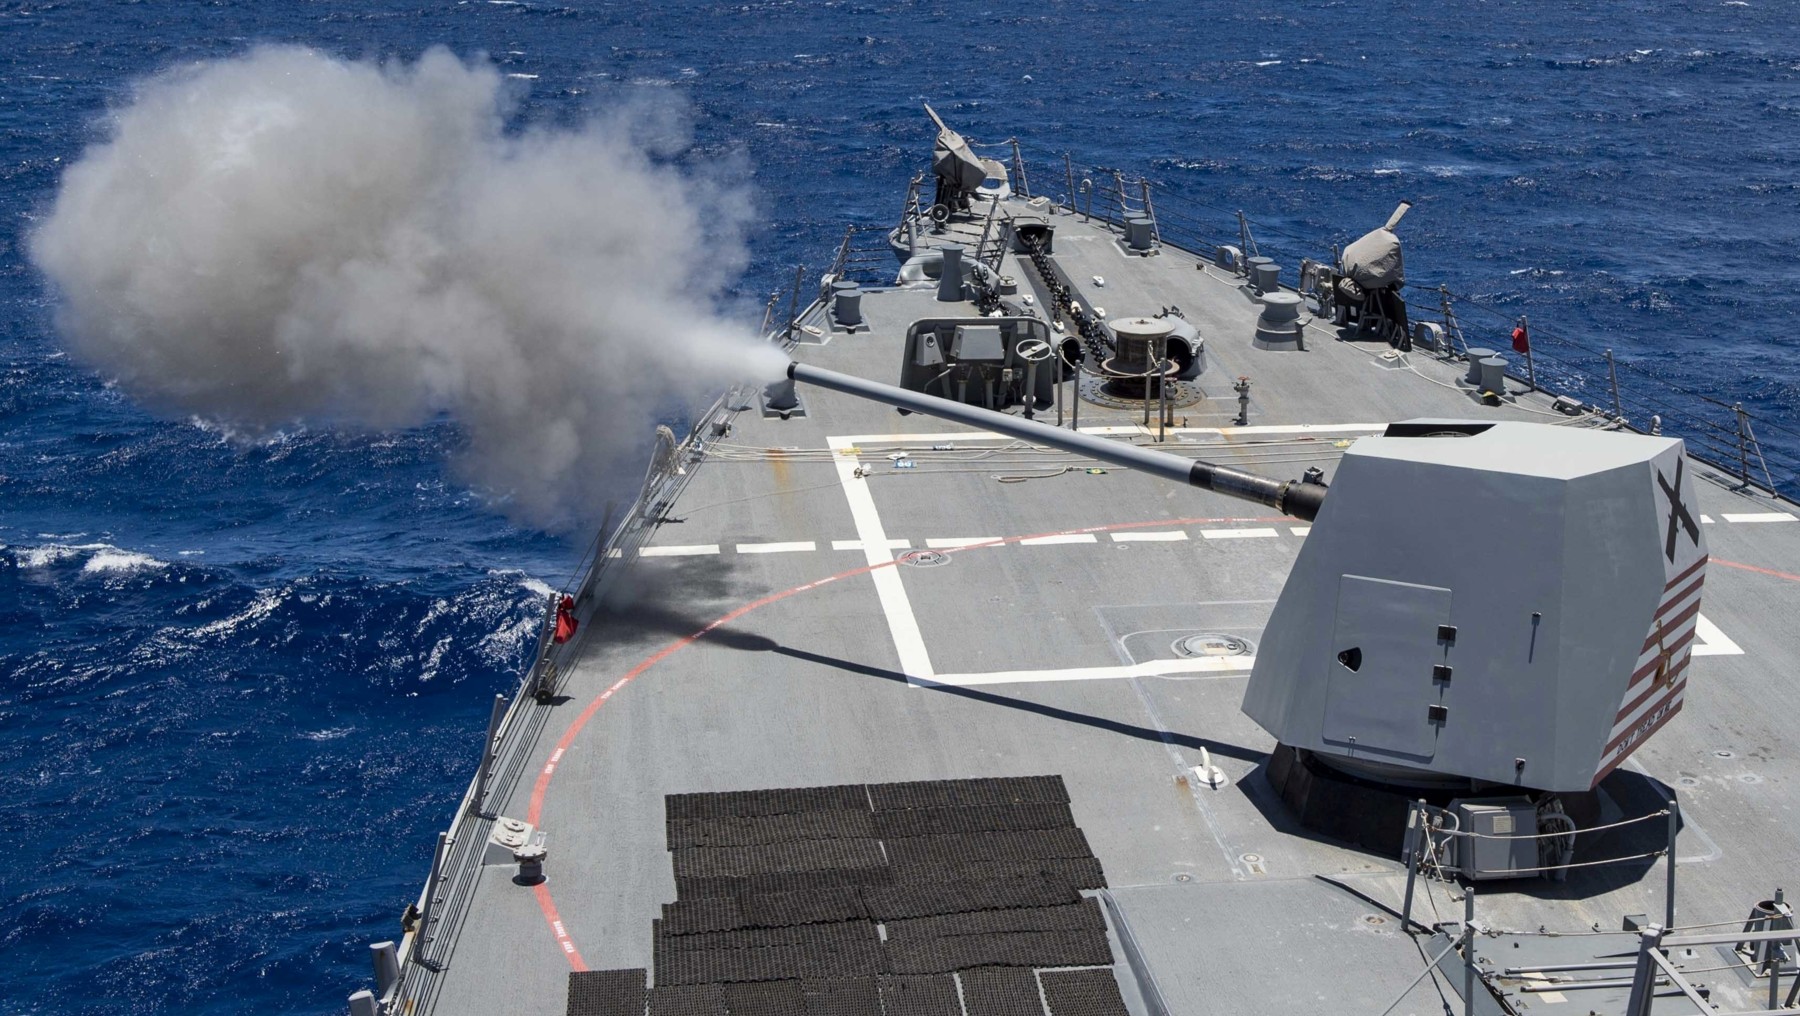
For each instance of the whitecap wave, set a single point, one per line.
(95, 558)
(115, 560)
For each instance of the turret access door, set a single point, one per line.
(1382, 692)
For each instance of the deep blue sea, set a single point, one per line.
(243, 680)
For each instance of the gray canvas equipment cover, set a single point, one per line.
(1374, 261)
(953, 161)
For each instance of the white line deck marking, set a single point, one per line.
(1045, 541)
(858, 545)
(903, 624)
(1237, 534)
(1299, 530)
(680, 551)
(1160, 536)
(1222, 665)
(954, 542)
(1758, 517)
(1710, 641)
(776, 548)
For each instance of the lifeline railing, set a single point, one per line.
(1425, 833)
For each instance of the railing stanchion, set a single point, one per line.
(1643, 976)
(1669, 890)
(1530, 368)
(794, 303)
(1019, 170)
(489, 752)
(1150, 213)
(427, 912)
(1468, 937)
(1743, 445)
(1075, 399)
(1612, 373)
(1415, 812)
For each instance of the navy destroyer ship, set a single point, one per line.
(1105, 617)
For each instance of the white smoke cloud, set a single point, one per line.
(290, 236)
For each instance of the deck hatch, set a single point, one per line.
(1384, 648)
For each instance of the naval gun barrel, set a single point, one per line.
(1290, 497)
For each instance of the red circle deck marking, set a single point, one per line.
(536, 810)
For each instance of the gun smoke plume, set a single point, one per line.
(287, 236)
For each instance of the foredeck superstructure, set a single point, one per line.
(836, 595)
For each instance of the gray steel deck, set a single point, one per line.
(1046, 647)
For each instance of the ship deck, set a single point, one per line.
(767, 636)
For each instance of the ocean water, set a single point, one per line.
(243, 678)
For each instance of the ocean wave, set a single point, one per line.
(265, 603)
(95, 558)
(115, 560)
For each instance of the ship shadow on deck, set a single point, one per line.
(1025, 705)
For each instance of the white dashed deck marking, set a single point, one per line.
(1237, 534)
(680, 551)
(776, 548)
(1156, 536)
(858, 545)
(1758, 517)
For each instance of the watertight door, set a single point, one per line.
(1381, 694)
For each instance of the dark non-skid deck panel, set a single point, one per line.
(606, 993)
(992, 792)
(920, 995)
(1004, 991)
(767, 963)
(841, 996)
(954, 896)
(940, 821)
(843, 934)
(765, 998)
(778, 857)
(745, 803)
(1082, 993)
(1083, 916)
(1009, 845)
(750, 830)
(1076, 872)
(1007, 949)
(687, 999)
(688, 888)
